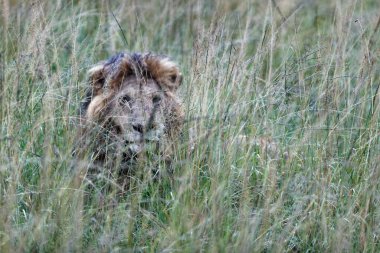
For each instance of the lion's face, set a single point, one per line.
(136, 114)
(132, 106)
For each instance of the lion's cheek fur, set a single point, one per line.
(174, 116)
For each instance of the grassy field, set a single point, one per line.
(303, 75)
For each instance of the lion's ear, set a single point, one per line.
(176, 80)
(164, 71)
(97, 77)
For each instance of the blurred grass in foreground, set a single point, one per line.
(304, 75)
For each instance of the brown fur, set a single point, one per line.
(131, 104)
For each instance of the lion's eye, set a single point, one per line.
(124, 100)
(156, 99)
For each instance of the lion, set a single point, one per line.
(131, 107)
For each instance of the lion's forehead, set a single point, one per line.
(137, 90)
(135, 82)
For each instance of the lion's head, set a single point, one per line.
(130, 106)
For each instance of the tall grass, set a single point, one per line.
(303, 76)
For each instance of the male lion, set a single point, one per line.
(130, 109)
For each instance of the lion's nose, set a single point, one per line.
(139, 128)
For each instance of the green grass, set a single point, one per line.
(305, 75)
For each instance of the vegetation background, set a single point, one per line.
(282, 108)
